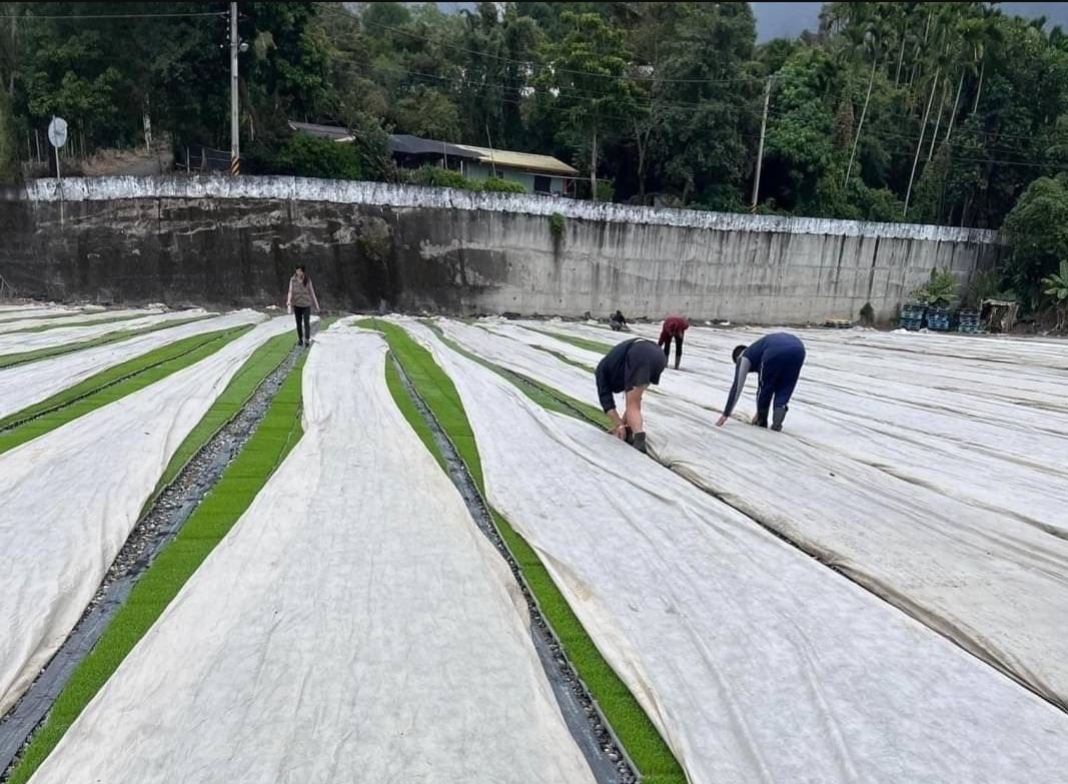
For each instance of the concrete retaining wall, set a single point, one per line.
(235, 241)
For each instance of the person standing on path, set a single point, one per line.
(299, 302)
(674, 327)
(630, 367)
(778, 359)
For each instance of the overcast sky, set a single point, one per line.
(776, 20)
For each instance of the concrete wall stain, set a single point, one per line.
(236, 241)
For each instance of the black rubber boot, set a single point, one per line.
(761, 418)
(639, 443)
(629, 437)
(777, 417)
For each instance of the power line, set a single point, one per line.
(660, 105)
(549, 66)
(113, 16)
(520, 100)
(960, 140)
(520, 96)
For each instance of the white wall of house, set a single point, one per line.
(483, 171)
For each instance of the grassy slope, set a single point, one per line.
(632, 726)
(7, 360)
(93, 393)
(276, 435)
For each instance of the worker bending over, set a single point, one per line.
(674, 327)
(630, 368)
(617, 322)
(778, 359)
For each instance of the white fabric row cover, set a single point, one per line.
(981, 378)
(74, 320)
(926, 432)
(30, 383)
(32, 341)
(756, 662)
(30, 311)
(72, 496)
(916, 532)
(353, 626)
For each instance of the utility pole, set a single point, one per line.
(760, 148)
(235, 141)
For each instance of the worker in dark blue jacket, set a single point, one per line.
(630, 368)
(778, 359)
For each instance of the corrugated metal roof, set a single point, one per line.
(406, 144)
(523, 160)
(336, 132)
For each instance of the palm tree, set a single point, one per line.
(1057, 38)
(989, 33)
(954, 21)
(972, 34)
(946, 12)
(1056, 288)
(873, 39)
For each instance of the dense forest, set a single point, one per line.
(947, 113)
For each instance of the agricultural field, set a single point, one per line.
(412, 553)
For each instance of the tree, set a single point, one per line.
(1056, 289)
(371, 142)
(648, 41)
(871, 44)
(799, 147)
(1037, 232)
(286, 77)
(305, 156)
(8, 157)
(426, 112)
(586, 71)
(940, 291)
(711, 100)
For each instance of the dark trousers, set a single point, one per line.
(678, 348)
(779, 372)
(303, 317)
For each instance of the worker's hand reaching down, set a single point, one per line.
(721, 421)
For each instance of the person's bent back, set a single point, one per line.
(630, 368)
(674, 328)
(778, 359)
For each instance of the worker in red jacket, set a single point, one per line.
(674, 327)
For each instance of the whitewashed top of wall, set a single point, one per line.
(410, 196)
